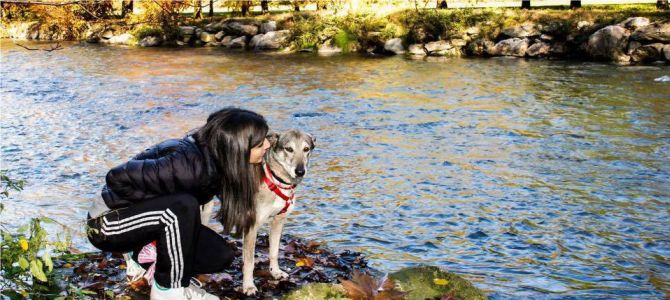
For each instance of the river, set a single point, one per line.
(531, 178)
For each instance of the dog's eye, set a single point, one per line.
(289, 149)
(306, 149)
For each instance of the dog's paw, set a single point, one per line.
(249, 290)
(278, 274)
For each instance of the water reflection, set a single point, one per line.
(532, 178)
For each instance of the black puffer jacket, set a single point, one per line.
(173, 166)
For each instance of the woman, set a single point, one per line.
(156, 197)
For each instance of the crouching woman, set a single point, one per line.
(157, 195)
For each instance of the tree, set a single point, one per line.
(264, 7)
(197, 9)
(246, 7)
(211, 8)
(126, 7)
(525, 4)
(441, 4)
(662, 4)
(575, 4)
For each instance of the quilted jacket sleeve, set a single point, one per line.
(152, 173)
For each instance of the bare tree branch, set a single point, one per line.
(53, 47)
(37, 2)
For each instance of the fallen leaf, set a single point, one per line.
(304, 262)
(440, 281)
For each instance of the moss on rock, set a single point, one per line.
(428, 282)
(318, 291)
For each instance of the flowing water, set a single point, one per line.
(532, 178)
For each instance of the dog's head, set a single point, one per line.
(291, 150)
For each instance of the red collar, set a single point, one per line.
(276, 187)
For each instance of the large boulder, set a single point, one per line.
(539, 49)
(237, 28)
(634, 23)
(609, 43)
(187, 30)
(329, 47)
(510, 47)
(122, 39)
(227, 40)
(657, 32)
(428, 282)
(417, 50)
(522, 31)
(207, 37)
(268, 26)
(394, 46)
(480, 47)
(151, 41)
(237, 43)
(438, 48)
(214, 27)
(272, 40)
(648, 53)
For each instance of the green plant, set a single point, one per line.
(144, 31)
(25, 261)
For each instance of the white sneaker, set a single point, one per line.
(193, 292)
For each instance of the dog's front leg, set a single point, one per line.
(249, 249)
(276, 227)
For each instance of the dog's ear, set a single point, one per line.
(312, 142)
(272, 137)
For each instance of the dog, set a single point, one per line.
(284, 166)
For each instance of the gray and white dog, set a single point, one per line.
(285, 165)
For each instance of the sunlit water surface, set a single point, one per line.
(531, 178)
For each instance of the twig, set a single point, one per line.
(53, 47)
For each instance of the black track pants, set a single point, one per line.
(185, 248)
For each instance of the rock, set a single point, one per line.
(240, 42)
(214, 27)
(510, 47)
(648, 53)
(582, 25)
(522, 31)
(632, 45)
(553, 28)
(666, 52)
(546, 37)
(122, 39)
(328, 47)
(428, 282)
(268, 26)
(539, 49)
(558, 49)
(93, 33)
(219, 35)
(458, 42)
(609, 43)
(473, 31)
(213, 44)
(657, 32)
(225, 42)
(417, 49)
(207, 37)
(634, 23)
(151, 41)
(438, 48)
(236, 28)
(394, 46)
(272, 40)
(318, 291)
(187, 30)
(107, 34)
(480, 47)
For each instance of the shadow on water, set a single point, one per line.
(531, 178)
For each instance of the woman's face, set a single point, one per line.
(258, 151)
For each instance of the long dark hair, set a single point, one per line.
(229, 134)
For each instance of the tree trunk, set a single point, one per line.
(662, 4)
(126, 7)
(197, 9)
(441, 4)
(2, 10)
(211, 8)
(296, 6)
(525, 4)
(246, 5)
(264, 7)
(575, 4)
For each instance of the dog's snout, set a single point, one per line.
(300, 172)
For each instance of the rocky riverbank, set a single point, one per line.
(633, 40)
